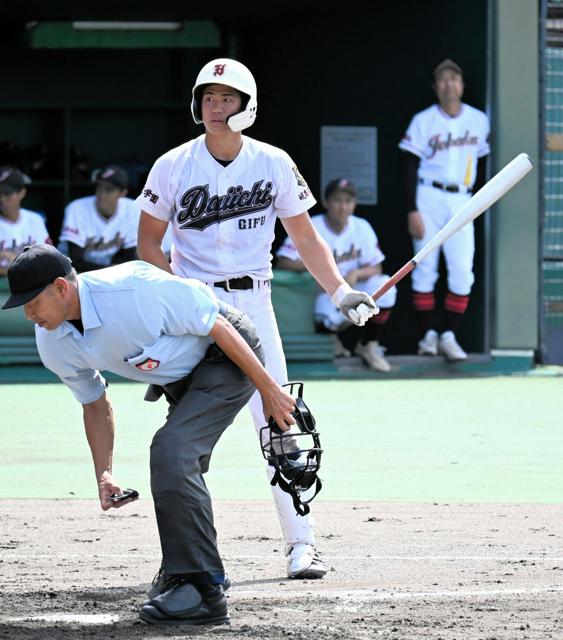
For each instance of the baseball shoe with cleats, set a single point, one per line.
(303, 562)
(162, 582)
(428, 346)
(373, 353)
(449, 348)
(340, 350)
(187, 604)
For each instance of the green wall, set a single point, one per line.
(515, 218)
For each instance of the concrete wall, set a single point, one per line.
(515, 221)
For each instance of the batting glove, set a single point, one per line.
(357, 306)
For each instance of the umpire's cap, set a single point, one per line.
(32, 270)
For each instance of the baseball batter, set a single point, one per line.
(18, 227)
(445, 147)
(222, 192)
(357, 253)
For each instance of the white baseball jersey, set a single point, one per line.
(100, 238)
(448, 146)
(354, 247)
(28, 229)
(223, 218)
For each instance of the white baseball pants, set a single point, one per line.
(437, 208)
(257, 304)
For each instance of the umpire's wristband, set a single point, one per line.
(343, 290)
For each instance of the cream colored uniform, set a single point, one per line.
(100, 237)
(449, 148)
(223, 221)
(28, 229)
(354, 247)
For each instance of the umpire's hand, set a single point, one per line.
(106, 488)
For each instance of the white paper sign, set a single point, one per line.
(351, 152)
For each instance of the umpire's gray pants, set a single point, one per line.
(202, 406)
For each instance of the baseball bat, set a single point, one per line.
(494, 189)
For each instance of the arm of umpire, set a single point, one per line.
(99, 427)
(276, 401)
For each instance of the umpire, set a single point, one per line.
(144, 324)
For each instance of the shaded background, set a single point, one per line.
(361, 66)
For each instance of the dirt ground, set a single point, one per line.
(415, 571)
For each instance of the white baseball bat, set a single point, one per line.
(494, 189)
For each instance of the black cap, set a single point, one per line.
(113, 174)
(32, 270)
(447, 64)
(340, 184)
(12, 180)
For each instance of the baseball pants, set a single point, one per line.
(438, 208)
(201, 407)
(332, 318)
(256, 303)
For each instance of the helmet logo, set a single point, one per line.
(219, 69)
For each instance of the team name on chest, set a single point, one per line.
(353, 253)
(438, 143)
(200, 210)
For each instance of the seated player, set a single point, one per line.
(358, 256)
(101, 230)
(18, 227)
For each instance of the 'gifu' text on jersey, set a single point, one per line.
(223, 218)
(448, 146)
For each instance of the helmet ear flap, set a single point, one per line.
(196, 104)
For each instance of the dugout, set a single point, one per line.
(99, 96)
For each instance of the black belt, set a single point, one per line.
(236, 284)
(450, 188)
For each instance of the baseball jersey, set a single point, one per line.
(101, 238)
(448, 146)
(354, 247)
(224, 218)
(28, 229)
(139, 322)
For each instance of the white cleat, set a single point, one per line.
(303, 562)
(340, 350)
(373, 354)
(449, 348)
(428, 346)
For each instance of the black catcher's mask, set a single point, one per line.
(296, 466)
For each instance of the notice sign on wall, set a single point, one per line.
(351, 152)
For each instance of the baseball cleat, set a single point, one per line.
(303, 562)
(373, 354)
(428, 346)
(340, 350)
(449, 348)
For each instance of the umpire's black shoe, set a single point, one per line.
(164, 581)
(188, 604)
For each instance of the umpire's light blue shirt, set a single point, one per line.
(139, 322)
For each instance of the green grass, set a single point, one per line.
(454, 440)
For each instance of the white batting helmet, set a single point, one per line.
(233, 74)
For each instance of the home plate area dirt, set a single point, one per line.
(395, 571)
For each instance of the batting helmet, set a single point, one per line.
(296, 467)
(232, 74)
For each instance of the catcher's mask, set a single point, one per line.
(296, 467)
